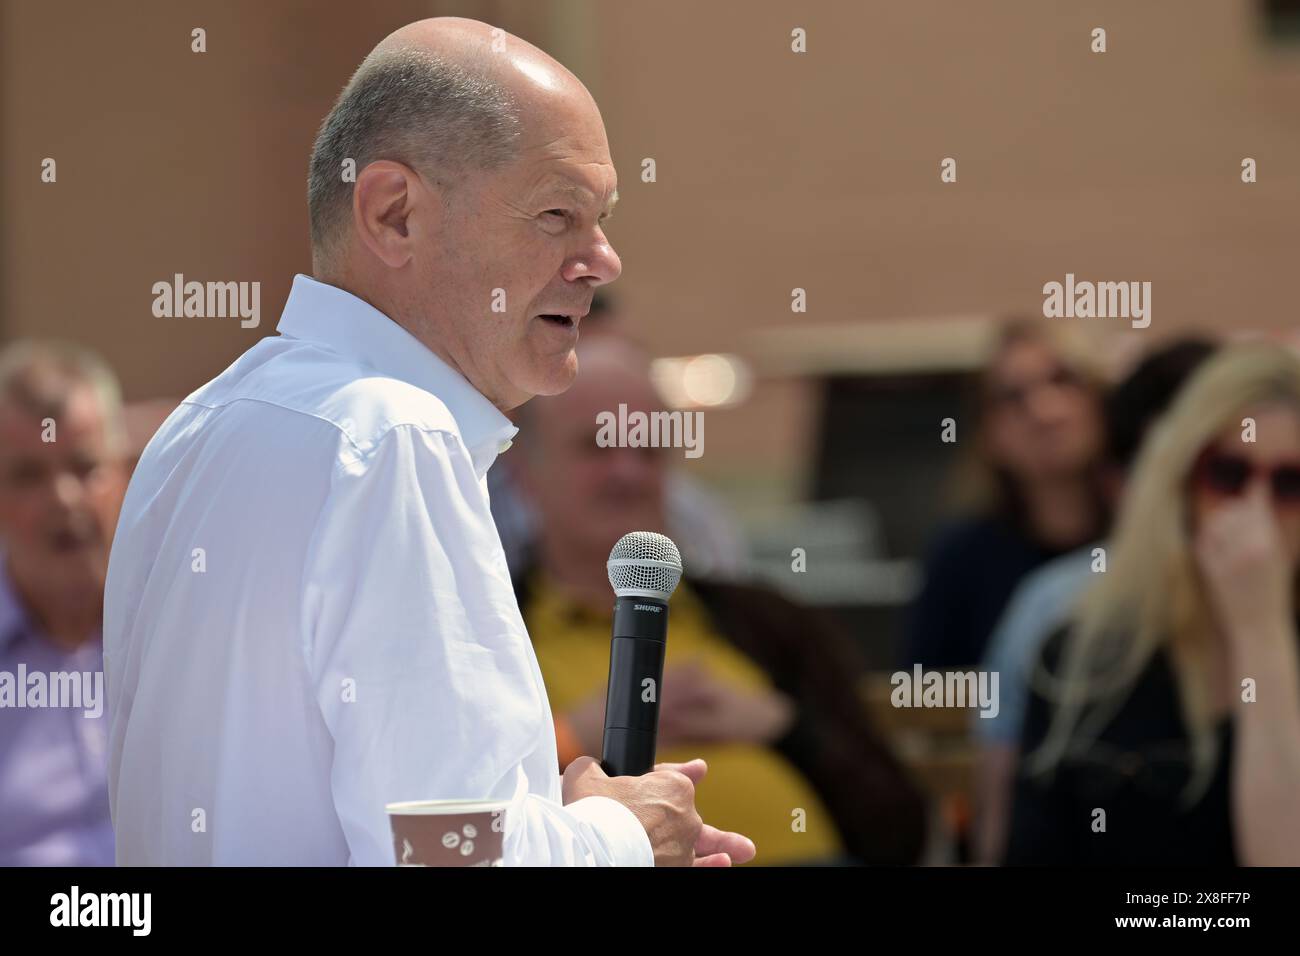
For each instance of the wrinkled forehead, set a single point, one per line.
(560, 118)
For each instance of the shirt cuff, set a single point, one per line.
(624, 836)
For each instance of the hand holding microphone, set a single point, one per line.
(644, 570)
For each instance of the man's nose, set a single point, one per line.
(68, 491)
(597, 261)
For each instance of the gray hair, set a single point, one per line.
(415, 108)
(39, 376)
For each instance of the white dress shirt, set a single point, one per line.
(308, 615)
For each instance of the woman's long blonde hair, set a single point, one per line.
(1151, 595)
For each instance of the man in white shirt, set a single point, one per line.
(308, 613)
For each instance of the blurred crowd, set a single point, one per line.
(1124, 556)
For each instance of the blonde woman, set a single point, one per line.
(1165, 726)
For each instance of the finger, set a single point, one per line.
(581, 765)
(1243, 519)
(692, 703)
(1257, 491)
(1259, 505)
(685, 728)
(693, 769)
(683, 685)
(678, 698)
(693, 676)
(672, 722)
(715, 859)
(1222, 528)
(739, 848)
(1208, 538)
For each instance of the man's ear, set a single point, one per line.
(386, 199)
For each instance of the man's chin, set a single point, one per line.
(556, 377)
(79, 570)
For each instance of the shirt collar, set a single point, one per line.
(318, 312)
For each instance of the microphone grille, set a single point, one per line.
(644, 562)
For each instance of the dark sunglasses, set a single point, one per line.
(1229, 475)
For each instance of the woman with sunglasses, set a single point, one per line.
(1165, 724)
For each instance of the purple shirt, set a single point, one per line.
(53, 752)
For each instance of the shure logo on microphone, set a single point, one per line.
(647, 607)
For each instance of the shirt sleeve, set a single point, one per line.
(1014, 638)
(421, 665)
(1040, 605)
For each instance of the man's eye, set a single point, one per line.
(84, 467)
(557, 213)
(25, 475)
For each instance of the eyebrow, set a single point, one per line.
(581, 194)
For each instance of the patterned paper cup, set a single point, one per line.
(448, 832)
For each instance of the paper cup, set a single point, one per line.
(448, 832)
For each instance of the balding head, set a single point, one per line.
(412, 107)
(482, 178)
(516, 65)
(436, 96)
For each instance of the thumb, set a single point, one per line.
(584, 766)
(693, 769)
(1258, 497)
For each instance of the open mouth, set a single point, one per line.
(66, 541)
(567, 321)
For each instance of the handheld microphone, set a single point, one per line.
(644, 569)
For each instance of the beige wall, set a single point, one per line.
(821, 171)
(774, 170)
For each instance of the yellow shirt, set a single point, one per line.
(750, 788)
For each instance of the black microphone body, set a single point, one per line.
(636, 658)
